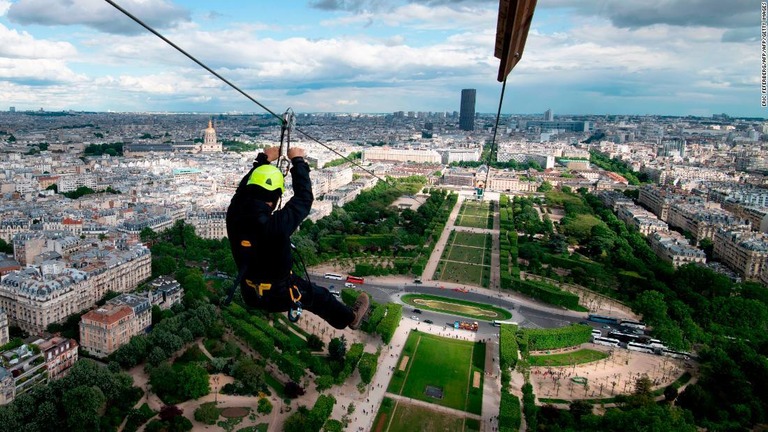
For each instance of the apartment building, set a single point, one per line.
(743, 251)
(104, 330)
(657, 200)
(4, 337)
(60, 354)
(34, 300)
(701, 221)
(756, 216)
(673, 248)
(401, 155)
(613, 199)
(7, 387)
(165, 292)
(640, 218)
(38, 296)
(209, 224)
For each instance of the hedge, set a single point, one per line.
(388, 325)
(562, 337)
(320, 412)
(508, 346)
(509, 413)
(547, 293)
(367, 366)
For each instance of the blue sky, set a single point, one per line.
(668, 57)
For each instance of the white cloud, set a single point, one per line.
(15, 44)
(98, 14)
(4, 6)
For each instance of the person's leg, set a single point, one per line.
(322, 303)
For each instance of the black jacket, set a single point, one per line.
(269, 258)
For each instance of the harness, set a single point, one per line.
(288, 122)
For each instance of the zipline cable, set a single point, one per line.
(495, 130)
(229, 83)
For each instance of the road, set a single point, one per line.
(526, 312)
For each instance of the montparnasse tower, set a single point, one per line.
(210, 144)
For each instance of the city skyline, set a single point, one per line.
(610, 57)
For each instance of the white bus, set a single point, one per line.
(634, 346)
(333, 276)
(606, 341)
(498, 323)
(676, 354)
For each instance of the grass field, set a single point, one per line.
(408, 418)
(463, 273)
(459, 307)
(566, 359)
(475, 215)
(464, 253)
(466, 259)
(448, 364)
(469, 239)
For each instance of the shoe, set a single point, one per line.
(362, 304)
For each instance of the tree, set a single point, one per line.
(293, 390)
(544, 187)
(82, 406)
(315, 343)
(337, 348)
(264, 406)
(207, 413)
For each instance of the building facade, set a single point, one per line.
(743, 251)
(104, 330)
(467, 112)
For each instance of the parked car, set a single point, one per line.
(429, 321)
(414, 317)
(417, 311)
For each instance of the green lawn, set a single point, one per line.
(565, 359)
(466, 254)
(474, 221)
(409, 418)
(459, 307)
(439, 362)
(470, 274)
(469, 239)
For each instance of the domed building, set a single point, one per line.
(210, 144)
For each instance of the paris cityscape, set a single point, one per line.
(542, 265)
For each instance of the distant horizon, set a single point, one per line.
(632, 57)
(377, 113)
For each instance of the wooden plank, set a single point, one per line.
(512, 28)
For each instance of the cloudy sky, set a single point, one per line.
(670, 57)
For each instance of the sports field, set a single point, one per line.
(401, 416)
(466, 259)
(475, 214)
(441, 371)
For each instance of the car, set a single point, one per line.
(349, 285)
(429, 321)
(417, 311)
(335, 292)
(417, 281)
(330, 287)
(414, 317)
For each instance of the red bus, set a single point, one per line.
(355, 280)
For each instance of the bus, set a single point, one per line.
(633, 324)
(634, 346)
(498, 323)
(605, 341)
(597, 333)
(355, 279)
(603, 319)
(676, 354)
(333, 276)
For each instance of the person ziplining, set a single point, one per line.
(260, 236)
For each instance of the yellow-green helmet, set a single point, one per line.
(268, 177)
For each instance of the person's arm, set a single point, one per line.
(297, 208)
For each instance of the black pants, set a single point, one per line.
(314, 298)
